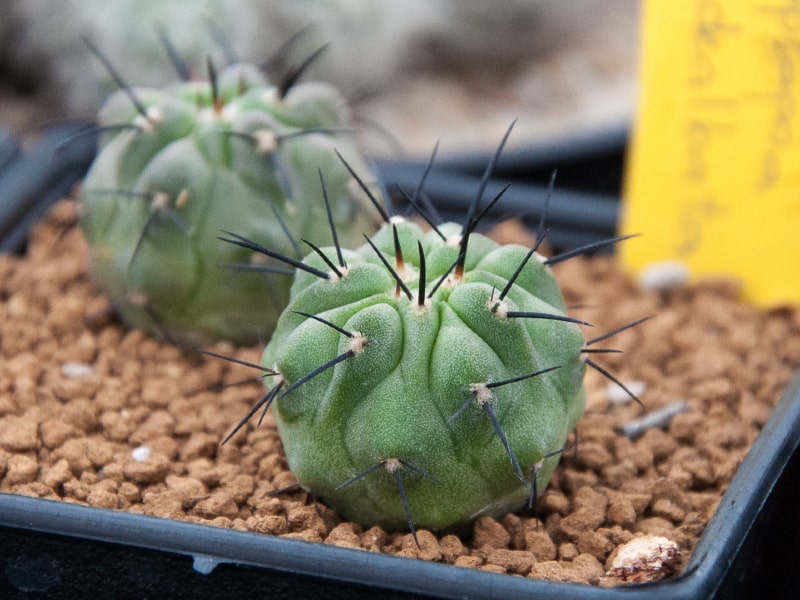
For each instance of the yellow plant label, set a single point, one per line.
(713, 177)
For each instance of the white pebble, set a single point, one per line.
(76, 370)
(616, 395)
(141, 453)
(647, 558)
(664, 275)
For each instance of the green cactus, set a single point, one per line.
(451, 386)
(426, 378)
(178, 166)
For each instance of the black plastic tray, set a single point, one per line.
(32, 179)
(58, 550)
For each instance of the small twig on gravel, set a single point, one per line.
(657, 418)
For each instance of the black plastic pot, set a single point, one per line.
(32, 179)
(59, 550)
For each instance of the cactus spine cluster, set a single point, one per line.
(177, 166)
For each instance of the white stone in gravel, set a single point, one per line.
(141, 453)
(616, 395)
(76, 370)
(664, 275)
(646, 558)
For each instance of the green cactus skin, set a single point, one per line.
(199, 158)
(400, 413)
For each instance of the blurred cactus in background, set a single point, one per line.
(179, 165)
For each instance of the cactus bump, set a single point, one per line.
(178, 166)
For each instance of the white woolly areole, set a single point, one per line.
(266, 141)
(454, 241)
(392, 464)
(229, 112)
(278, 379)
(335, 276)
(160, 201)
(483, 393)
(450, 282)
(396, 220)
(498, 307)
(148, 123)
(270, 95)
(358, 342)
(420, 309)
(543, 260)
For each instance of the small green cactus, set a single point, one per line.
(178, 166)
(425, 378)
(449, 380)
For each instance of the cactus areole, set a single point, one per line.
(425, 379)
(178, 166)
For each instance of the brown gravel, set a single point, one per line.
(91, 413)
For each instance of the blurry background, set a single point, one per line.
(454, 70)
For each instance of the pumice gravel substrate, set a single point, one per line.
(92, 413)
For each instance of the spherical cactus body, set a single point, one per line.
(179, 166)
(428, 379)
